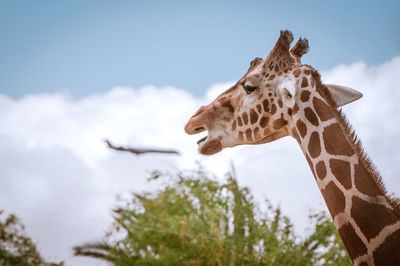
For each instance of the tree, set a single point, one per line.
(16, 248)
(195, 220)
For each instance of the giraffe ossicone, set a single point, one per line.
(279, 96)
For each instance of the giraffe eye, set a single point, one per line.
(249, 89)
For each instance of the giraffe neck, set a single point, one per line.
(367, 220)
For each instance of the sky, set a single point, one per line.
(86, 47)
(75, 73)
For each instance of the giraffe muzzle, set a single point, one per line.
(201, 122)
(194, 126)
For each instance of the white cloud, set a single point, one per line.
(59, 177)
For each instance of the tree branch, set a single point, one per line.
(138, 151)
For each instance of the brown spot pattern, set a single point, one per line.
(253, 116)
(234, 125)
(280, 103)
(354, 245)
(389, 252)
(245, 118)
(334, 199)
(296, 72)
(273, 109)
(370, 217)
(304, 82)
(322, 109)
(363, 181)
(227, 104)
(335, 141)
(305, 96)
(259, 108)
(320, 169)
(314, 145)
(307, 72)
(248, 134)
(295, 108)
(279, 123)
(341, 170)
(311, 116)
(301, 127)
(266, 105)
(264, 121)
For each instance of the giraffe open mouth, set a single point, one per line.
(202, 140)
(199, 130)
(208, 144)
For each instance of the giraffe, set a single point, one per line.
(279, 97)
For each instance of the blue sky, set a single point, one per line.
(86, 47)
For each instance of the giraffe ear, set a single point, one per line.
(287, 90)
(342, 95)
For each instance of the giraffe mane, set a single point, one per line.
(355, 141)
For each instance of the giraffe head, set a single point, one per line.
(259, 107)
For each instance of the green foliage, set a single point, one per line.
(15, 247)
(194, 220)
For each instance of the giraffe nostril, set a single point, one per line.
(198, 129)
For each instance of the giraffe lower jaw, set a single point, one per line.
(209, 147)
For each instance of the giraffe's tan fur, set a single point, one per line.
(278, 97)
